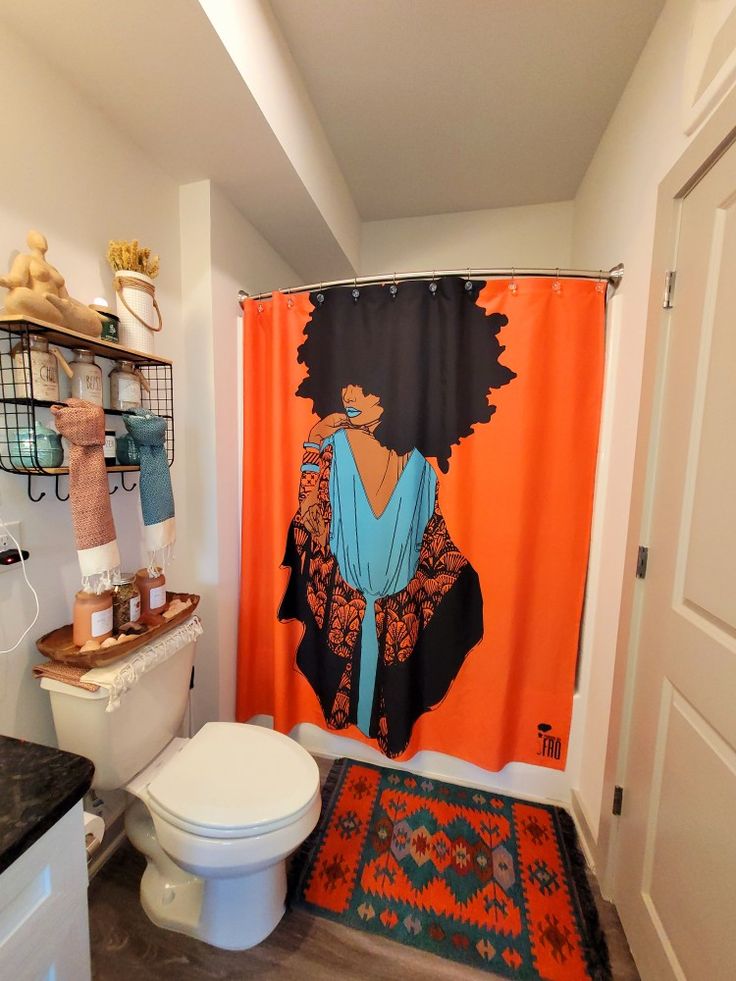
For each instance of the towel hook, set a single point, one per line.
(58, 495)
(124, 486)
(30, 494)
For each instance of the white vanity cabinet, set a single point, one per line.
(44, 923)
(44, 927)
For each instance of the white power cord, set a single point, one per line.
(28, 583)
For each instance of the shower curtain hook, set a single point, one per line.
(513, 285)
(468, 284)
(393, 288)
(356, 291)
(602, 283)
(433, 284)
(557, 285)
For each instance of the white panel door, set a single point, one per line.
(675, 883)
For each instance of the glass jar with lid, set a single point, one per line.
(92, 617)
(152, 586)
(125, 387)
(86, 376)
(126, 601)
(44, 380)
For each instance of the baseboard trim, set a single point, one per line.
(588, 842)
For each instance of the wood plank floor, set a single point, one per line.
(126, 946)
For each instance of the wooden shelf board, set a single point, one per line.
(73, 339)
(59, 471)
(44, 403)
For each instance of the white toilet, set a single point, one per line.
(216, 815)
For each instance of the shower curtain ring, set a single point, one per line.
(393, 288)
(512, 285)
(433, 284)
(468, 284)
(356, 291)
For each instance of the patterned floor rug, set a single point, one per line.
(490, 881)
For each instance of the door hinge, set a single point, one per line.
(669, 289)
(641, 562)
(618, 800)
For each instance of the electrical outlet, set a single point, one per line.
(7, 542)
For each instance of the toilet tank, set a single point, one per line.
(120, 743)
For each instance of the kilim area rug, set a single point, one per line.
(490, 881)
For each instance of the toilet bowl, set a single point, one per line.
(215, 815)
(216, 820)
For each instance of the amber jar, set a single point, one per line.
(126, 601)
(92, 617)
(152, 590)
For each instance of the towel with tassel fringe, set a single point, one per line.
(83, 424)
(119, 677)
(148, 432)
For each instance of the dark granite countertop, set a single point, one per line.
(38, 785)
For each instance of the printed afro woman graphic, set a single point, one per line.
(390, 607)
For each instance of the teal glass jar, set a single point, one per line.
(126, 451)
(29, 449)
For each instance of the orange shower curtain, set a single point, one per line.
(516, 500)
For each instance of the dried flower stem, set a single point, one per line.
(132, 257)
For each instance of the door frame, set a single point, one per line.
(706, 147)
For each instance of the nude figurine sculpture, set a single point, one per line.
(36, 289)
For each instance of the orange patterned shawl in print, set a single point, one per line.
(424, 631)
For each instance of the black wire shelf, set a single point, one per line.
(22, 411)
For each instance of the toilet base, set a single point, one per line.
(234, 913)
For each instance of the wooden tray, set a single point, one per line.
(58, 645)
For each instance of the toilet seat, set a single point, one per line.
(233, 780)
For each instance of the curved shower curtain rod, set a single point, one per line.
(613, 277)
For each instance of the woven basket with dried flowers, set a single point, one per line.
(135, 269)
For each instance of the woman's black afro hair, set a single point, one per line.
(430, 356)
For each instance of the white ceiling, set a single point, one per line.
(159, 73)
(437, 106)
(429, 106)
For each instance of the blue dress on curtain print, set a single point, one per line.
(390, 606)
(376, 554)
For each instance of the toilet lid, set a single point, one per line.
(235, 780)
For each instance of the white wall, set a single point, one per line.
(72, 176)
(221, 253)
(614, 221)
(78, 180)
(534, 235)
